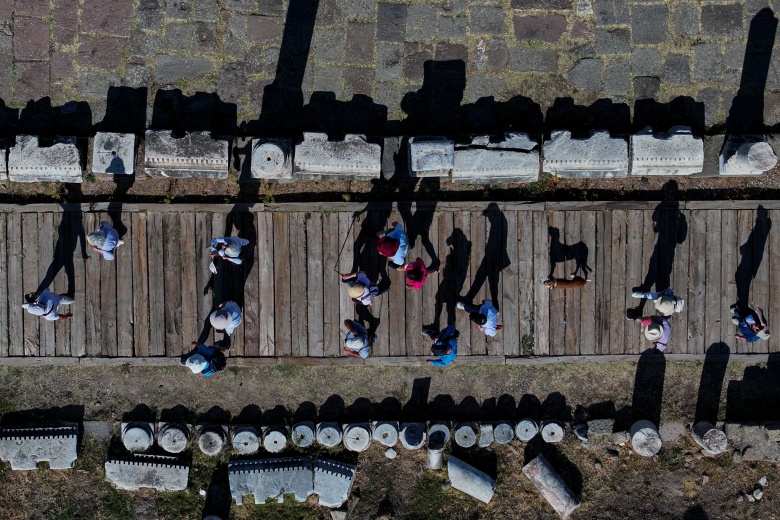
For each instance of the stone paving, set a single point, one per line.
(499, 58)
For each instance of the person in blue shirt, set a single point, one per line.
(445, 345)
(750, 323)
(393, 244)
(105, 240)
(226, 318)
(204, 359)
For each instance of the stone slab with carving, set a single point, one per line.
(552, 487)
(271, 478)
(158, 472)
(30, 162)
(676, 152)
(25, 446)
(431, 157)
(515, 158)
(354, 158)
(333, 482)
(196, 154)
(113, 153)
(597, 156)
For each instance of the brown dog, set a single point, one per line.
(573, 282)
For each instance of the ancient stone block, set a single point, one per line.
(746, 155)
(328, 434)
(412, 435)
(485, 435)
(676, 152)
(271, 478)
(466, 434)
(246, 440)
(503, 432)
(753, 441)
(173, 437)
(29, 162)
(438, 433)
(470, 480)
(158, 472)
(137, 436)
(25, 446)
(386, 433)
(644, 438)
(354, 158)
(113, 154)
(357, 437)
(196, 154)
(271, 160)
(712, 440)
(597, 156)
(435, 456)
(526, 429)
(211, 439)
(600, 427)
(513, 159)
(551, 486)
(332, 482)
(303, 434)
(431, 157)
(552, 431)
(274, 438)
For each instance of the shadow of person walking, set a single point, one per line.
(69, 232)
(495, 257)
(751, 255)
(456, 266)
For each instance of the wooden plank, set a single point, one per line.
(124, 292)
(541, 255)
(190, 265)
(728, 285)
(514, 300)
(378, 221)
(4, 302)
(298, 285)
(588, 293)
(108, 306)
(527, 281)
(636, 259)
(618, 285)
(282, 331)
(396, 306)
(78, 250)
(608, 206)
(759, 289)
(346, 247)
(220, 283)
(557, 298)
(497, 261)
(205, 280)
(235, 282)
(315, 285)
(140, 285)
(331, 285)
(431, 287)
(94, 325)
(156, 270)
(696, 280)
(464, 250)
(31, 279)
(171, 247)
(713, 264)
(16, 289)
(744, 273)
(478, 269)
(46, 266)
(265, 271)
(773, 257)
(680, 274)
(251, 287)
(416, 345)
(603, 281)
(60, 284)
(572, 311)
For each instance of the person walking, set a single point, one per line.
(665, 301)
(393, 244)
(416, 273)
(226, 318)
(204, 359)
(656, 329)
(445, 345)
(105, 240)
(357, 343)
(360, 288)
(226, 248)
(751, 324)
(45, 304)
(485, 316)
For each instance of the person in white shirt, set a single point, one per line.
(485, 316)
(226, 318)
(45, 304)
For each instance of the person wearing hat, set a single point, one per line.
(105, 240)
(485, 316)
(356, 344)
(393, 244)
(45, 304)
(416, 273)
(226, 248)
(750, 323)
(360, 288)
(226, 318)
(205, 360)
(665, 301)
(445, 345)
(657, 329)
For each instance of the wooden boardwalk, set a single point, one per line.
(156, 297)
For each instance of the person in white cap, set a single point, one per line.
(656, 329)
(226, 248)
(665, 301)
(205, 360)
(226, 318)
(485, 316)
(751, 324)
(357, 343)
(105, 240)
(45, 304)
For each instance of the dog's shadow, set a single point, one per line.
(560, 252)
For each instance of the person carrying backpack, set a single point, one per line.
(751, 324)
(204, 359)
(445, 345)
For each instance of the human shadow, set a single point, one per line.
(696, 512)
(648, 387)
(755, 396)
(435, 108)
(416, 408)
(495, 258)
(561, 252)
(751, 255)
(418, 226)
(365, 257)
(456, 266)
(713, 374)
(671, 229)
(70, 233)
(218, 497)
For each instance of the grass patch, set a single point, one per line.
(290, 509)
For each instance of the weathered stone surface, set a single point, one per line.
(431, 156)
(753, 441)
(503, 432)
(676, 152)
(211, 440)
(271, 478)
(585, 74)
(328, 434)
(515, 159)
(526, 429)
(332, 482)
(671, 431)
(412, 435)
(158, 472)
(170, 69)
(195, 155)
(274, 438)
(581, 431)
(352, 158)
(137, 436)
(746, 155)
(25, 446)
(597, 156)
(357, 437)
(246, 440)
(552, 431)
(644, 438)
(551, 486)
(303, 434)
(29, 162)
(486, 436)
(439, 433)
(649, 24)
(173, 437)
(435, 456)
(547, 28)
(386, 433)
(470, 480)
(600, 427)
(113, 153)
(465, 434)
(712, 440)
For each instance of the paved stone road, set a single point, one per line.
(521, 52)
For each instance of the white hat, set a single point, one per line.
(665, 305)
(34, 308)
(763, 334)
(653, 332)
(219, 319)
(196, 363)
(354, 343)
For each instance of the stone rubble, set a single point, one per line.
(26, 446)
(196, 154)
(754, 441)
(30, 162)
(745, 155)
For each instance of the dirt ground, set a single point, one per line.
(611, 481)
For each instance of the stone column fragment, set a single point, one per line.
(551, 486)
(303, 434)
(466, 434)
(552, 431)
(644, 438)
(526, 429)
(712, 440)
(470, 480)
(386, 433)
(246, 440)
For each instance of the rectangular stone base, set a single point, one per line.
(162, 173)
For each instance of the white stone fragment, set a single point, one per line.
(246, 440)
(354, 158)
(158, 472)
(551, 486)
(515, 159)
(274, 439)
(597, 156)
(196, 154)
(271, 478)
(435, 457)
(137, 436)
(676, 152)
(328, 434)
(29, 162)
(173, 437)
(271, 160)
(470, 480)
(466, 434)
(712, 440)
(412, 435)
(113, 154)
(552, 431)
(526, 429)
(332, 482)
(357, 437)
(25, 446)
(744, 155)
(386, 433)
(503, 432)
(390, 453)
(303, 434)
(485, 435)
(644, 438)
(431, 156)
